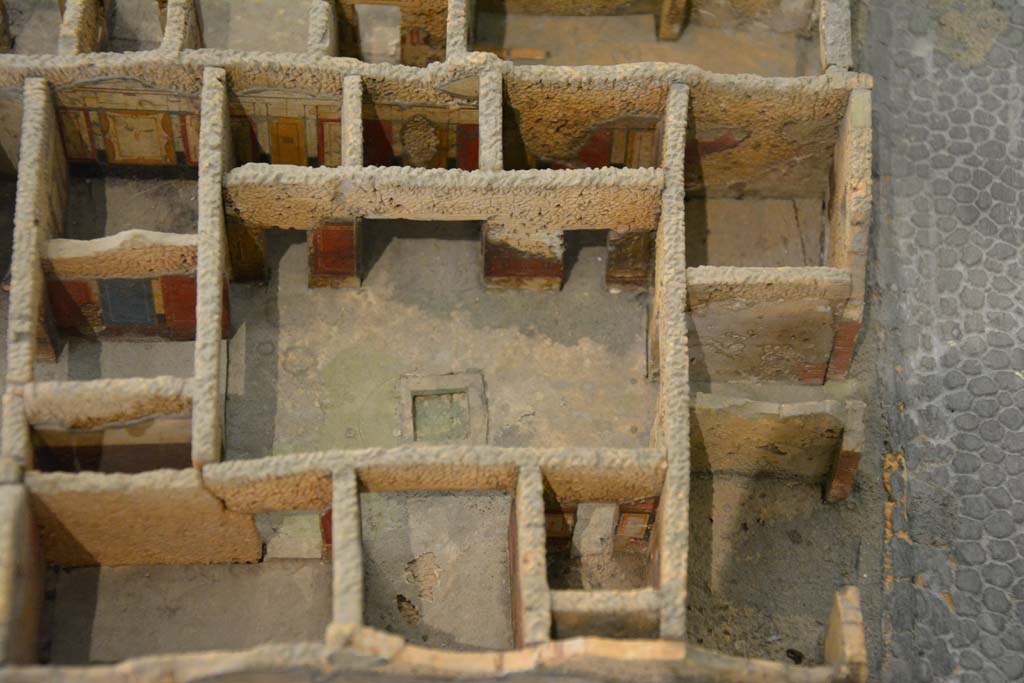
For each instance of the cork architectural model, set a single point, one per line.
(339, 136)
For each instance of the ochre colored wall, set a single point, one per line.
(161, 517)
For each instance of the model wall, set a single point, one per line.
(135, 283)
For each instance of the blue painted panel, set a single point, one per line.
(127, 303)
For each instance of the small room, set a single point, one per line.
(437, 567)
(599, 546)
(755, 232)
(121, 282)
(127, 576)
(437, 132)
(34, 26)
(544, 368)
(555, 125)
(255, 25)
(106, 205)
(716, 38)
(160, 442)
(602, 548)
(766, 183)
(765, 556)
(134, 26)
(120, 268)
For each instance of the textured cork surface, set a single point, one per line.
(361, 653)
(265, 195)
(352, 122)
(761, 438)
(21, 578)
(40, 164)
(215, 159)
(612, 614)
(673, 429)
(159, 517)
(128, 254)
(91, 403)
(532, 605)
(775, 324)
(300, 481)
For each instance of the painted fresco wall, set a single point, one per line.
(162, 306)
(420, 135)
(280, 127)
(626, 142)
(127, 128)
(591, 123)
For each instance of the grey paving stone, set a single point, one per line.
(950, 265)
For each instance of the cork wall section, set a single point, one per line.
(736, 435)
(160, 517)
(764, 324)
(21, 577)
(303, 480)
(134, 283)
(764, 137)
(270, 196)
(121, 425)
(88, 404)
(424, 127)
(128, 127)
(359, 654)
(571, 119)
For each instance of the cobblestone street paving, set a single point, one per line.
(947, 269)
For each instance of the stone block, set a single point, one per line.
(844, 638)
(594, 532)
